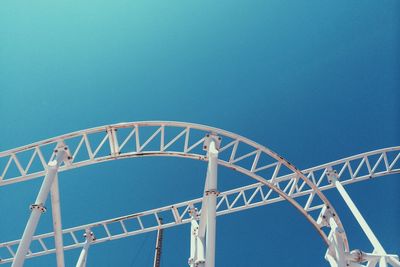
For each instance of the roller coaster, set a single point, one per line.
(275, 180)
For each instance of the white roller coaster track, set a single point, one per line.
(277, 180)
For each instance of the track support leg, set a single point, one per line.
(57, 226)
(85, 250)
(336, 253)
(379, 256)
(197, 258)
(333, 177)
(38, 208)
(211, 195)
(203, 233)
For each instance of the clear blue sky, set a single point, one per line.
(313, 80)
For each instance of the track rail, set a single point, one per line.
(165, 138)
(350, 170)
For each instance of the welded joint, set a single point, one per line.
(194, 262)
(194, 213)
(356, 256)
(89, 236)
(336, 253)
(324, 216)
(332, 175)
(195, 231)
(61, 146)
(40, 207)
(211, 192)
(212, 137)
(113, 141)
(359, 256)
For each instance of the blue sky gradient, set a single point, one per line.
(313, 80)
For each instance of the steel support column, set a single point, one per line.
(38, 208)
(197, 258)
(211, 193)
(57, 225)
(158, 250)
(202, 240)
(85, 250)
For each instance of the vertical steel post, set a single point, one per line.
(57, 226)
(197, 258)
(211, 194)
(157, 253)
(38, 208)
(193, 239)
(202, 236)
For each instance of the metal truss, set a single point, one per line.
(231, 201)
(167, 139)
(278, 180)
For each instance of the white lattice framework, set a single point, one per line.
(277, 179)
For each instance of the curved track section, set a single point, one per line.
(351, 170)
(164, 138)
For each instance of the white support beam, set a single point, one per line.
(382, 262)
(253, 195)
(309, 182)
(197, 258)
(394, 261)
(211, 194)
(336, 253)
(38, 208)
(356, 257)
(379, 251)
(203, 234)
(83, 256)
(332, 175)
(89, 236)
(57, 225)
(179, 215)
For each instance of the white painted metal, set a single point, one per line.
(359, 256)
(38, 208)
(336, 253)
(357, 214)
(211, 202)
(197, 256)
(394, 260)
(57, 225)
(89, 236)
(253, 195)
(266, 165)
(333, 177)
(83, 255)
(202, 236)
(292, 186)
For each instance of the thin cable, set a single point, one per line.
(149, 257)
(144, 241)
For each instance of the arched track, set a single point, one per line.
(258, 162)
(238, 199)
(162, 139)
